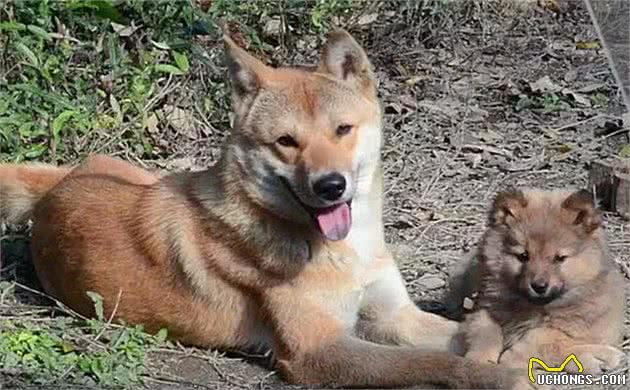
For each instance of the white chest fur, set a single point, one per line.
(357, 271)
(366, 234)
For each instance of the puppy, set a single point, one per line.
(546, 285)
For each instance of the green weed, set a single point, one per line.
(91, 72)
(74, 351)
(548, 103)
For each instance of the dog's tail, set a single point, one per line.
(22, 186)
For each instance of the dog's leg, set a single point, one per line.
(352, 362)
(312, 347)
(388, 315)
(554, 346)
(483, 337)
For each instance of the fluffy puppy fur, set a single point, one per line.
(546, 285)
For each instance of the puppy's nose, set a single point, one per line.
(330, 187)
(539, 286)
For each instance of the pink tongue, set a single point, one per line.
(334, 222)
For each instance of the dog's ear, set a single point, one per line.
(507, 207)
(583, 210)
(246, 72)
(343, 58)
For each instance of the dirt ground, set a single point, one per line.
(478, 101)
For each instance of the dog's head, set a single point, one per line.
(306, 141)
(547, 243)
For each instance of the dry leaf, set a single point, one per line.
(564, 148)
(592, 88)
(367, 19)
(152, 123)
(113, 102)
(588, 45)
(181, 120)
(124, 31)
(408, 101)
(273, 27)
(578, 98)
(545, 85)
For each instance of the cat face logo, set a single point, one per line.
(530, 367)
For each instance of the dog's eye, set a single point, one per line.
(523, 257)
(342, 130)
(559, 258)
(287, 141)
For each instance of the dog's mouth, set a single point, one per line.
(542, 300)
(333, 222)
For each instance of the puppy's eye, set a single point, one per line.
(342, 130)
(287, 141)
(523, 257)
(559, 258)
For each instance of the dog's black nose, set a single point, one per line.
(539, 286)
(330, 187)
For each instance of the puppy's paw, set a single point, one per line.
(596, 358)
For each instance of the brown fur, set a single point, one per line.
(227, 258)
(21, 187)
(555, 237)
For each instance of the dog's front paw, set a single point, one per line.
(597, 358)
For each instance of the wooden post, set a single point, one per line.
(610, 183)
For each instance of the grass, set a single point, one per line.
(80, 72)
(71, 349)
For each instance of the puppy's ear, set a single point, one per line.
(582, 210)
(507, 207)
(343, 58)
